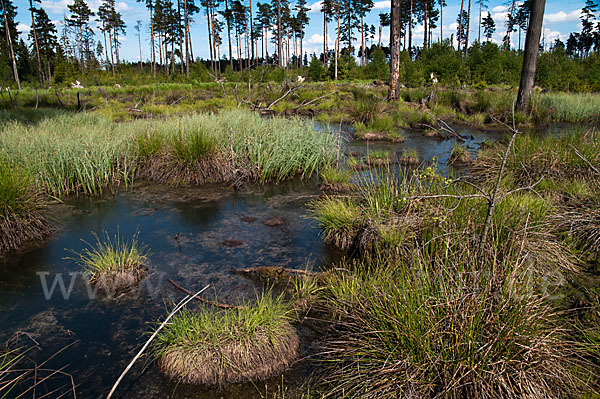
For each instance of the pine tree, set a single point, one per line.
(384, 20)
(302, 20)
(587, 34)
(9, 31)
(79, 19)
(47, 39)
(150, 6)
(264, 19)
(32, 10)
(489, 26)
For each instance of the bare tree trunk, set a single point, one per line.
(410, 24)
(337, 43)
(229, 38)
(37, 48)
(140, 44)
(251, 33)
(210, 46)
(212, 34)
(324, 37)
(532, 47)
(152, 44)
(441, 22)
(460, 21)
(80, 46)
(468, 29)
(112, 60)
(479, 31)
(10, 47)
(279, 48)
(394, 50)
(362, 40)
(425, 40)
(301, 48)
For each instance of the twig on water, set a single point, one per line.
(178, 307)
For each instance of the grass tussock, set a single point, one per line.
(250, 343)
(114, 264)
(398, 215)
(336, 180)
(449, 327)
(88, 153)
(459, 156)
(21, 205)
(409, 157)
(565, 168)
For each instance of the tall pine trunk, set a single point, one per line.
(468, 29)
(532, 47)
(410, 26)
(10, 47)
(441, 21)
(152, 43)
(37, 48)
(460, 21)
(279, 47)
(394, 50)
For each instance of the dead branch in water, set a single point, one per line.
(215, 304)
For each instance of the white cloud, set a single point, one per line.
(382, 5)
(57, 7)
(562, 16)
(499, 9)
(551, 35)
(316, 7)
(122, 6)
(23, 28)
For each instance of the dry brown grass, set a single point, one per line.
(214, 169)
(233, 361)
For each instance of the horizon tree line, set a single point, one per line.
(247, 25)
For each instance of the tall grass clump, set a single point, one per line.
(339, 218)
(81, 153)
(450, 326)
(21, 205)
(114, 263)
(549, 156)
(248, 343)
(262, 148)
(567, 107)
(336, 180)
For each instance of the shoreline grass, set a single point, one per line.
(87, 153)
(21, 206)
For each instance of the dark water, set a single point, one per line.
(106, 333)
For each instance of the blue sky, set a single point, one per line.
(561, 18)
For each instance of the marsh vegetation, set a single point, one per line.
(435, 279)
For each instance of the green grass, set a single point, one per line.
(16, 193)
(10, 373)
(567, 107)
(378, 154)
(207, 328)
(112, 255)
(451, 325)
(88, 153)
(339, 219)
(411, 153)
(336, 175)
